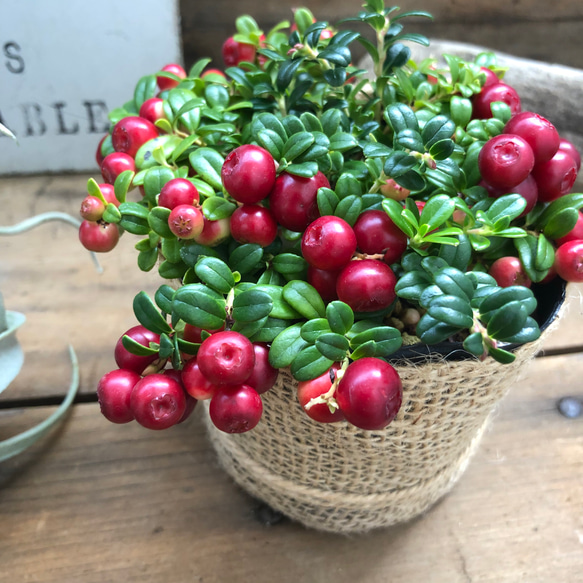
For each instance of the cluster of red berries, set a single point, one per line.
(228, 369)
(531, 159)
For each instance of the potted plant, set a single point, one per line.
(358, 262)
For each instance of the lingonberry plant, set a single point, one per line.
(311, 215)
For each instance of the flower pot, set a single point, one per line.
(339, 478)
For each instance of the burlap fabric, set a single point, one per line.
(339, 478)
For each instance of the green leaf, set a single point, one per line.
(458, 256)
(208, 164)
(200, 306)
(399, 164)
(387, 340)
(163, 298)
(509, 205)
(560, 223)
(327, 201)
(148, 314)
(527, 251)
(365, 350)
(249, 329)
(502, 356)
(111, 214)
(191, 252)
(504, 296)
(410, 139)
(147, 259)
(186, 347)
(154, 180)
(286, 346)
(281, 309)
(411, 285)
(451, 310)
(342, 142)
(304, 298)
(432, 331)
(395, 212)
(158, 221)
(332, 346)
(215, 208)
(216, 95)
(305, 169)
(270, 330)
(286, 73)
(507, 321)
(296, 145)
(348, 185)
(136, 348)
(146, 156)
(289, 264)
(122, 184)
(146, 88)
(438, 128)
(529, 333)
(460, 110)
(454, 282)
(401, 117)
(252, 305)
(309, 364)
(437, 210)
(340, 317)
(272, 142)
(198, 67)
(134, 218)
(474, 344)
(349, 209)
(545, 254)
(314, 328)
(215, 273)
(246, 258)
(166, 346)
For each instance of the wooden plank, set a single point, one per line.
(47, 275)
(110, 503)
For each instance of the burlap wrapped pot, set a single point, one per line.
(341, 479)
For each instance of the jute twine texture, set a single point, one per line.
(338, 478)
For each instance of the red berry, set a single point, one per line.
(308, 390)
(108, 193)
(248, 173)
(505, 161)
(575, 234)
(186, 221)
(195, 383)
(367, 285)
(376, 233)
(497, 92)
(236, 409)
(252, 223)
(190, 401)
(555, 177)
(213, 72)
(569, 148)
(99, 157)
(263, 375)
(226, 358)
(194, 333)
(114, 164)
(214, 232)
(165, 83)
(491, 77)
(509, 271)
(324, 282)
(569, 261)
(176, 192)
(158, 402)
(393, 190)
(130, 133)
(153, 109)
(293, 200)
(125, 359)
(235, 52)
(328, 243)
(370, 393)
(113, 394)
(527, 189)
(92, 208)
(98, 237)
(540, 133)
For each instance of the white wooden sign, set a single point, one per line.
(64, 64)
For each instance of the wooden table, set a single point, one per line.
(102, 503)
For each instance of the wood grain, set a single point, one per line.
(100, 503)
